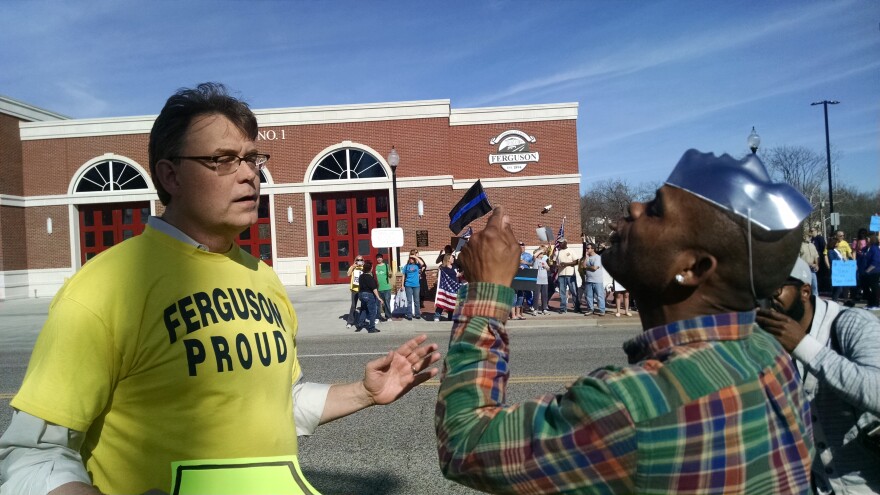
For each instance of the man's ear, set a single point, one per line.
(166, 174)
(695, 267)
(806, 292)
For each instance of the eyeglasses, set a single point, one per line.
(789, 283)
(228, 164)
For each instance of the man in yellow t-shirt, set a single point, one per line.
(177, 345)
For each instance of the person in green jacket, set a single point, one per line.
(383, 278)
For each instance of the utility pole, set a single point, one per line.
(825, 104)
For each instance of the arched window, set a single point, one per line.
(111, 175)
(348, 163)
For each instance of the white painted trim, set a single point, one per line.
(113, 126)
(79, 199)
(27, 112)
(342, 145)
(365, 112)
(12, 201)
(73, 224)
(75, 178)
(23, 284)
(273, 236)
(292, 271)
(293, 116)
(311, 259)
(523, 181)
(269, 178)
(503, 115)
(302, 188)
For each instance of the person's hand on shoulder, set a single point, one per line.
(492, 255)
(786, 330)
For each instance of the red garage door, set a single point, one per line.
(342, 223)
(104, 226)
(257, 239)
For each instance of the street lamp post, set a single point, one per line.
(825, 104)
(394, 161)
(754, 141)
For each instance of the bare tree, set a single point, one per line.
(802, 167)
(605, 201)
(806, 170)
(855, 208)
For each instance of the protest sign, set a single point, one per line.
(526, 279)
(252, 476)
(545, 234)
(843, 273)
(386, 237)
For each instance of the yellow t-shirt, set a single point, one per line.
(161, 352)
(354, 285)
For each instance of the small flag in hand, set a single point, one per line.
(472, 206)
(463, 238)
(560, 235)
(447, 290)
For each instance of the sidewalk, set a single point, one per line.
(321, 310)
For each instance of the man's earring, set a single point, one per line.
(679, 278)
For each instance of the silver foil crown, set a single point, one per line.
(742, 187)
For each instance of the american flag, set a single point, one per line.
(560, 235)
(447, 290)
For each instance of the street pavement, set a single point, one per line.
(390, 449)
(382, 450)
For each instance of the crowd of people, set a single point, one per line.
(864, 249)
(580, 280)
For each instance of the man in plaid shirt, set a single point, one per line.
(709, 403)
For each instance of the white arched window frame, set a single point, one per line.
(347, 161)
(110, 173)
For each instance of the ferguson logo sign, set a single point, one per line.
(513, 151)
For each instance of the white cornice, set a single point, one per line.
(531, 180)
(524, 113)
(367, 112)
(23, 111)
(113, 126)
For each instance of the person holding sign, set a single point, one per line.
(355, 270)
(709, 402)
(176, 344)
(843, 270)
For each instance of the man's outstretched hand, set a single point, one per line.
(492, 255)
(388, 378)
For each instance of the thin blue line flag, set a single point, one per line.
(472, 206)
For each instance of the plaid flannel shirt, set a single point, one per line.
(708, 405)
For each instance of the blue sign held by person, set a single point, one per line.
(843, 273)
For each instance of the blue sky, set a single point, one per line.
(652, 78)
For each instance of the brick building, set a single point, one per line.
(70, 188)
